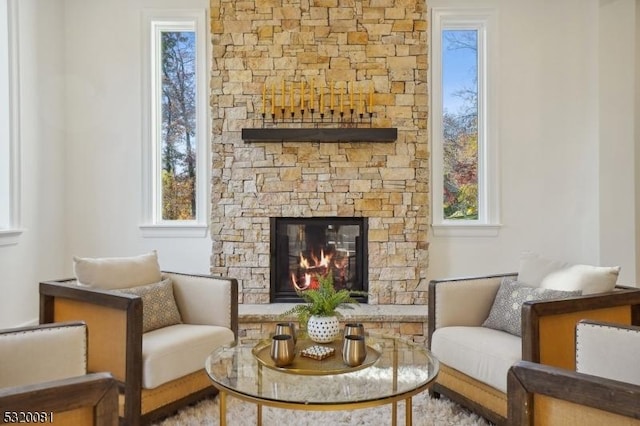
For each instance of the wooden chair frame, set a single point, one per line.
(566, 391)
(548, 337)
(114, 322)
(98, 392)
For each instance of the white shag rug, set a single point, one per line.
(426, 412)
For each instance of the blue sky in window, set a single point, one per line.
(459, 69)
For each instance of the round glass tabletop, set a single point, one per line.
(402, 370)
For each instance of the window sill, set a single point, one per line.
(177, 230)
(10, 236)
(465, 230)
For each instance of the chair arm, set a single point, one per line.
(554, 386)
(548, 327)
(205, 299)
(91, 399)
(21, 350)
(462, 301)
(597, 340)
(114, 323)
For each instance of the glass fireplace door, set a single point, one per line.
(303, 249)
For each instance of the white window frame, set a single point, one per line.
(484, 20)
(10, 212)
(156, 22)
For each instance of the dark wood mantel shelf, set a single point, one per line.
(342, 134)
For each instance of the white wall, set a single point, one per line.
(40, 250)
(617, 117)
(565, 154)
(81, 147)
(81, 143)
(103, 172)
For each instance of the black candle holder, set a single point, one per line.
(285, 118)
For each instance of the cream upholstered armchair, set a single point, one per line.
(43, 378)
(476, 351)
(604, 389)
(152, 330)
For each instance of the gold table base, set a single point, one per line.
(408, 417)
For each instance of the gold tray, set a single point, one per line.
(309, 366)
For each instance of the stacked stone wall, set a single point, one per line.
(378, 42)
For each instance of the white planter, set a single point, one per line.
(323, 329)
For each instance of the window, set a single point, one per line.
(464, 93)
(9, 140)
(175, 124)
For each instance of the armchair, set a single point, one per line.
(474, 360)
(604, 390)
(161, 370)
(43, 378)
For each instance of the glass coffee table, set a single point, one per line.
(401, 369)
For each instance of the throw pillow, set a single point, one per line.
(506, 311)
(111, 273)
(533, 268)
(159, 308)
(589, 279)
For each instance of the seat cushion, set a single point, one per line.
(482, 353)
(172, 352)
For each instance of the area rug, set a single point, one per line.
(426, 412)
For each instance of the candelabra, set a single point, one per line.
(334, 118)
(332, 122)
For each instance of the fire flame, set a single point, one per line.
(312, 266)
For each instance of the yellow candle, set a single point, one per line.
(331, 100)
(351, 96)
(321, 100)
(312, 95)
(360, 100)
(301, 94)
(371, 99)
(264, 98)
(273, 99)
(291, 97)
(283, 97)
(342, 98)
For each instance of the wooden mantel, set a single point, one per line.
(342, 134)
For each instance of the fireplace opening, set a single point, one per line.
(304, 248)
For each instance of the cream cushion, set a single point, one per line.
(111, 273)
(608, 351)
(42, 354)
(464, 302)
(172, 352)
(533, 268)
(194, 296)
(589, 279)
(482, 353)
(538, 271)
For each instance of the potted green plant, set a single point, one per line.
(319, 314)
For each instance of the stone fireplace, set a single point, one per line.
(382, 42)
(304, 249)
